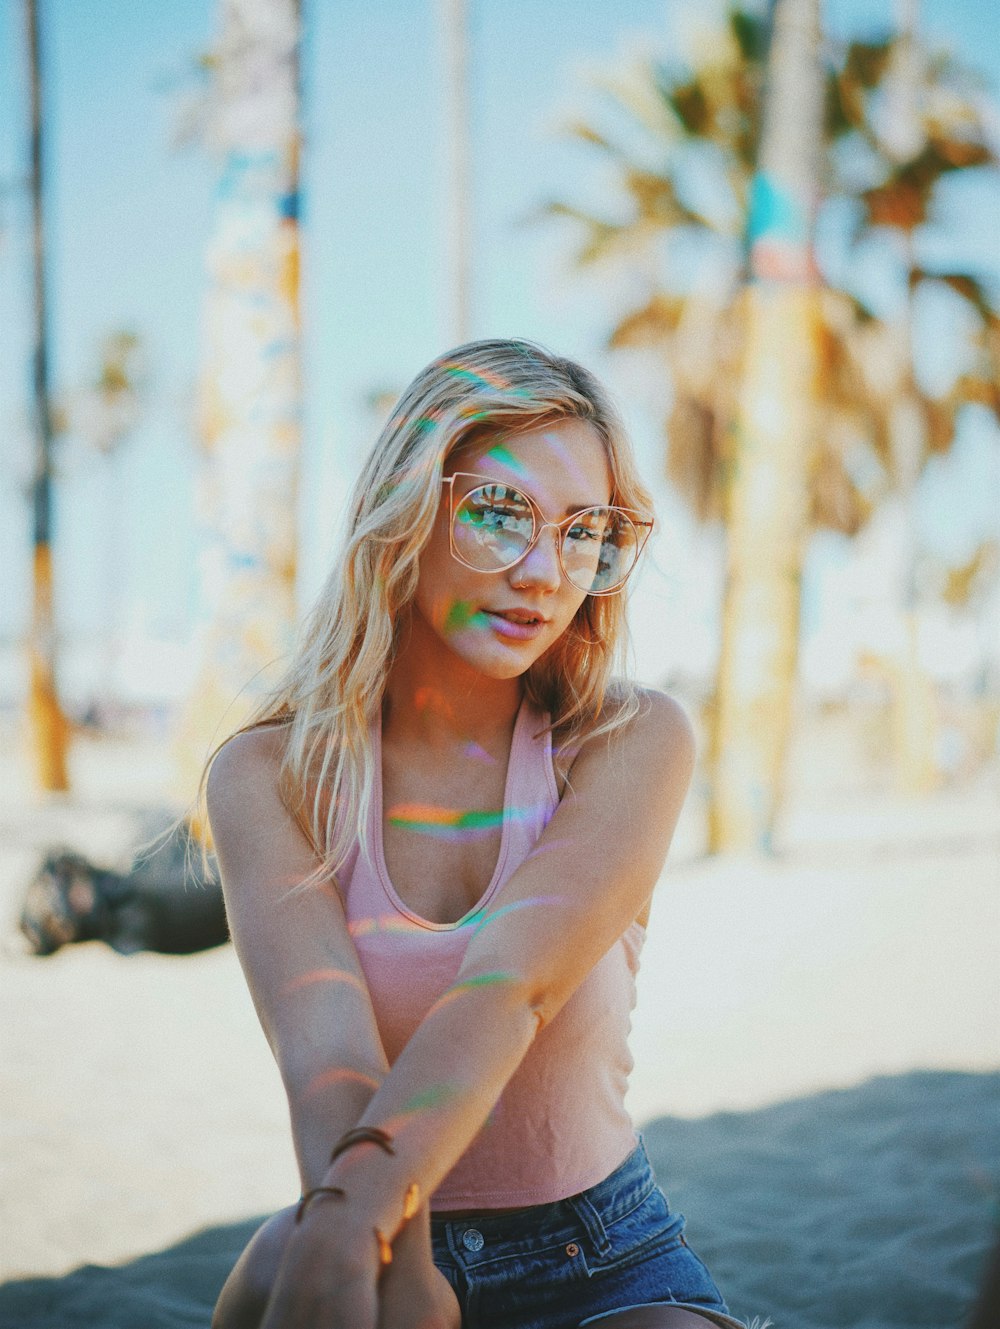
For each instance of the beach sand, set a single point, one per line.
(817, 1045)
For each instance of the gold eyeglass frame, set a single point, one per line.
(539, 525)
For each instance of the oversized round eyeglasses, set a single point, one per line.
(494, 525)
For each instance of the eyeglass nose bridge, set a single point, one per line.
(553, 525)
(536, 537)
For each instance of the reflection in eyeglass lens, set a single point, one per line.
(494, 525)
(599, 549)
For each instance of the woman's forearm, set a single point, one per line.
(434, 1101)
(330, 1079)
(321, 1111)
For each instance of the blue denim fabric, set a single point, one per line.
(552, 1266)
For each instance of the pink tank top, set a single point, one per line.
(560, 1124)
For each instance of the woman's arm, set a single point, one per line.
(300, 963)
(309, 990)
(587, 878)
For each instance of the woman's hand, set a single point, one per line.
(331, 1275)
(328, 1277)
(414, 1294)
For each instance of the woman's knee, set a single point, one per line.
(652, 1317)
(245, 1294)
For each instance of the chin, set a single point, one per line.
(499, 662)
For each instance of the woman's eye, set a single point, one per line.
(585, 533)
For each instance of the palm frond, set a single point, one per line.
(954, 152)
(979, 390)
(690, 104)
(752, 33)
(658, 202)
(962, 583)
(867, 61)
(581, 130)
(601, 237)
(653, 323)
(970, 288)
(836, 502)
(940, 415)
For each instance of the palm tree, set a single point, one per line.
(687, 166)
(931, 125)
(49, 727)
(250, 408)
(766, 496)
(453, 20)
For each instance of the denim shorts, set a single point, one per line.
(557, 1266)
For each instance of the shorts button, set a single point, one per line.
(572, 1249)
(473, 1240)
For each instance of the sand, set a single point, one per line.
(817, 1047)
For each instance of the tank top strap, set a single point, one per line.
(532, 794)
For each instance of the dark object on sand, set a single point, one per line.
(162, 903)
(986, 1313)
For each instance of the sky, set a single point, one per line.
(130, 214)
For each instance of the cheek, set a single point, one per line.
(581, 621)
(565, 624)
(444, 594)
(455, 614)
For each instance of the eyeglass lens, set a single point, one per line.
(494, 524)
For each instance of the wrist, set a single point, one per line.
(369, 1184)
(371, 1204)
(348, 1239)
(415, 1234)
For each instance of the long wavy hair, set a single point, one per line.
(328, 695)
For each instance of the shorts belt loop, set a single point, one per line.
(593, 1223)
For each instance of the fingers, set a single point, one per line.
(243, 1300)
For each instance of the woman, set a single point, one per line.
(438, 840)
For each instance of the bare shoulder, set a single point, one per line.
(242, 783)
(662, 720)
(656, 740)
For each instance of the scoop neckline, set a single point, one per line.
(378, 813)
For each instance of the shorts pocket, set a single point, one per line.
(650, 1225)
(664, 1270)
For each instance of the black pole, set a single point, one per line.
(42, 412)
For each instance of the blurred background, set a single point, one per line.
(578, 178)
(231, 233)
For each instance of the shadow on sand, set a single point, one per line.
(167, 1290)
(866, 1208)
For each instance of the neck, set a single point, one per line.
(433, 697)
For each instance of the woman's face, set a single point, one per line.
(500, 623)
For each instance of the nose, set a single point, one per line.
(540, 567)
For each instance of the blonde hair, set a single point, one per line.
(329, 693)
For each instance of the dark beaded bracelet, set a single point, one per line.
(373, 1134)
(311, 1195)
(384, 1247)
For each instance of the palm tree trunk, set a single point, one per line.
(454, 23)
(50, 732)
(914, 703)
(250, 422)
(766, 491)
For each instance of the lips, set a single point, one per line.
(517, 624)
(518, 615)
